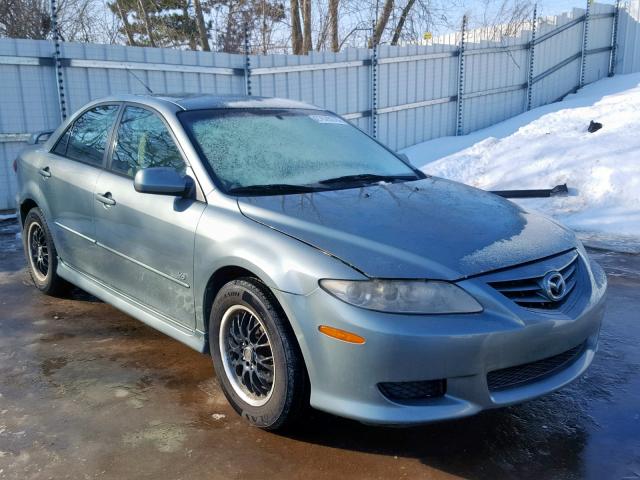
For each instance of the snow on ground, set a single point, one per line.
(550, 145)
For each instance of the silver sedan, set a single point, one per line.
(313, 264)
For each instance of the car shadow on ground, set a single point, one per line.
(535, 440)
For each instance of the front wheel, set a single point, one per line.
(257, 361)
(42, 258)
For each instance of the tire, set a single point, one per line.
(42, 257)
(244, 310)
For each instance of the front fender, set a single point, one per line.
(226, 238)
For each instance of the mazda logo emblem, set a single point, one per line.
(554, 286)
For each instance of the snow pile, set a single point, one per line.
(549, 146)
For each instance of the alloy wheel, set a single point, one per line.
(38, 251)
(247, 355)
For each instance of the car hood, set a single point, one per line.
(430, 228)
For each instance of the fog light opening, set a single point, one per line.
(341, 335)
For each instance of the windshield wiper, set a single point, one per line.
(366, 178)
(274, 188)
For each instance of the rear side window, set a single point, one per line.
(143, 141)
(86, 139)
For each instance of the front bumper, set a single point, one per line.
(461, 349)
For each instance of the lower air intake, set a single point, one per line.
(413, 390)
(531, 372)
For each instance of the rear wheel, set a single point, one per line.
(42, 258)
(255, 356)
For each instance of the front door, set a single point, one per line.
(146, 241)
(69, 175)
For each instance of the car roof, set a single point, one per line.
(201, 102)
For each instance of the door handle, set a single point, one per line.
(45, 172)
(106, 198)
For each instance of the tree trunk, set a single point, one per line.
(125, 24)
(296, 31)
(188, 31)
(147, 26)
(307, 43)
(333, 25)
(263, 28)
(401, 22)
(321, 39)
(381, 24)
(231, 43)
(202, 29)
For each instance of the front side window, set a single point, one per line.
(86, 140)
(143, 141)
(250, 148)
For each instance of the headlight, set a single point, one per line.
(403, 296)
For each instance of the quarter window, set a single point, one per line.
(61, 146)
(86, 140)
(143, 142)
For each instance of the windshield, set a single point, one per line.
(260, 151)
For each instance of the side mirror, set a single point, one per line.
(162, 181)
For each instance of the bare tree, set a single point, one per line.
(333, 23)
(263, 27)
(503, 18)
(186, 27)
(307, 43)
(202, 29)
(296, 30)
(125, 23)
(147, 23)
(403, 18)
(86, 21)
(24, 19)
(273, 25)
(381, 23)
(78, 20)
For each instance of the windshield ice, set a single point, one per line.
(247, 147)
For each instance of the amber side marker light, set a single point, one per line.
(341, 334)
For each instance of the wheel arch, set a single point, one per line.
(228, 273)
(25, 207)
(216, 281)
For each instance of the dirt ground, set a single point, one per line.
(88, 392)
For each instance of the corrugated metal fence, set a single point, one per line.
(401, 95)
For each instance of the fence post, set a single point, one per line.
(57, 60)
(532, 48)
(459, 116)
(374, 84)
(585, 42)
(614, 39)
(247, 63)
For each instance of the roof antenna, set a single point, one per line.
(139, 80)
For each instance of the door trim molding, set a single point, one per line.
(69, 229)
(122, 255)
(144, 265)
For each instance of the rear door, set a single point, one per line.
(147, 241)
(69, 175)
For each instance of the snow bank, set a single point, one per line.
(550, 145)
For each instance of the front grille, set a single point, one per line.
(413, 390)
(530, 372)
(528, 292)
